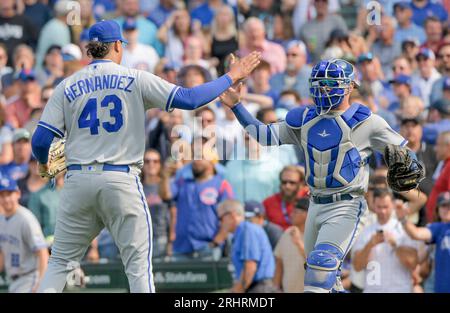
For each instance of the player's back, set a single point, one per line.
(102, 109)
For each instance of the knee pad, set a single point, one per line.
(322, 268)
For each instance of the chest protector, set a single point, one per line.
(332, 159)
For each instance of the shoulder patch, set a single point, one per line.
(294, 118)
(356, 114)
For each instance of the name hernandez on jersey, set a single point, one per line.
(96, 83)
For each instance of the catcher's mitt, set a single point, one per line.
(404, 172)
(56, 159)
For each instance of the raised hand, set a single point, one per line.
(241, 68)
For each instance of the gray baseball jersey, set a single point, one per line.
(102, 109)
(337, 146)
(20, 237)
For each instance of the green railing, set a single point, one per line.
(193, 276)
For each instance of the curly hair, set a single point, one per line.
(98, 50)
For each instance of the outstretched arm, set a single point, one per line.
(266, 135)
(193, 98)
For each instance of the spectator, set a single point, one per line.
(193, 55)
(196, 201)
(223, 39)
(406, 29)
(412, 130)
(205, 12)
(31, 183)
(214, 135)
(424, 8)
(435, 233)
(18, 168)
(385, 47)
(279, 206)
(410, 48)
(412, 106)
(15, 29)
(401, 85)
(266, 11)
(148, 33)
(6, 136)
(373, 78)
(288, 100)
(162, 12)
(316, 32)
(259, 82)
(19, 111)
(434, 30)
(44, 205)
(255, 40)
(427, 74)
(159, 209)
(442, 182)
(386, 248)
(297, 71)
(25, 253)
(106, 247)
(174, 34)
(251, 253)
(254, 212)
(137, 55)
(437, 91)
(4, 69)
(290, 254)
(55, 32)
(52, 67)
(253, 174)
(439, 120)
(38, 13)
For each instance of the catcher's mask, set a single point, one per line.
(329, 83)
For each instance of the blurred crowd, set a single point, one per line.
(401, 50)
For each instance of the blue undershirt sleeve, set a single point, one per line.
(40, 143)
(193, 98)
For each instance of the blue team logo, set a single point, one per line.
(209, 196)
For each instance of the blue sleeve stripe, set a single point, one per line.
(404, 143)
(171, 97)
(59, 133)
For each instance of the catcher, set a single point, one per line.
(337, 138)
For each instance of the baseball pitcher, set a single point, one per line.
(100, 111)
(337, 138)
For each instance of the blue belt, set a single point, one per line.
(106, 167)
(331, 199)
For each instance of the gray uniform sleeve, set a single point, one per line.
(382, 134)
(156, 92)
(32, 235)
(53, 116)
(285, 134)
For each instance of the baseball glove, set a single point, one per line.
(56, 159)
(404, 172)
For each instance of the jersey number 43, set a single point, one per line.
(88, 117)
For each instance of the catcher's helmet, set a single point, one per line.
(330, 81)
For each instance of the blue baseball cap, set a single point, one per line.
(253, 208)
(401, 79)
(427, 53)
(129, 24)
(403, 5)
(106, 31)
(8, 184)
